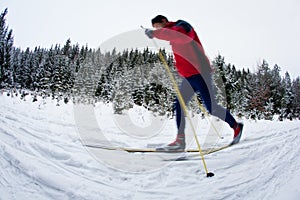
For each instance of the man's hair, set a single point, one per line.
(158, 19)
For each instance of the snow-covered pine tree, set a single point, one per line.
(160, 91)
(26, 79)
(140, 72)
(276, 89)
(6, 46)
(122, 97)
(86, 80)
(244, 100)
(265, 77)
(56, 77)
(296, 99)
(227, 84)
(287, 100)
(46, 80)
(236, 92)
(15, 65)
(68, 60)
(260, 92)
(122, 84)
(231, 86)
(219, 79)
(37, 68)
(105, 85)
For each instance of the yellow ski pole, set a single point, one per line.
(182, 103)
(207, 117)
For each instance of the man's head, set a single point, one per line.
(159, 21)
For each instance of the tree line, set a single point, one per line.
(137, 77)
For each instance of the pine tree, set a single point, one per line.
(228, 87)
(37, 59)
(235, 91)
(232, 87)
(287, 100)
(265, 79)
(26, 78)
(260, 93)
(122, 97)
(15, 65)
(6, 47)
(296, 100)
(46, 81)
(219, 79)
(159, 90)
(105, 86)
(276, 89)
(245, 96)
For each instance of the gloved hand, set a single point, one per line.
(149, 33)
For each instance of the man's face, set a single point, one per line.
(160, 25)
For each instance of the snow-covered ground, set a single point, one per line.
(42, 156)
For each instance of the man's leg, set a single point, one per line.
(203, 88)
(187, 92)
(179, 143)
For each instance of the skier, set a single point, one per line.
(194, 66)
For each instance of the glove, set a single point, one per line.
(149, 33)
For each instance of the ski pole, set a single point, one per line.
(184, 107)
(207, 117)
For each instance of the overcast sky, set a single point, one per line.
(244, 32)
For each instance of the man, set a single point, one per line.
(194, 66)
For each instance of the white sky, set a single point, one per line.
(244, 32)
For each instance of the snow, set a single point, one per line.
(42, 156)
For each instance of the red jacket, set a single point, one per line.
(188, 51)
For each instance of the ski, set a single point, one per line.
(136, 150)
(187, 157)
(153, 150)
(157, 150)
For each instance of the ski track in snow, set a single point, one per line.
(41, 157)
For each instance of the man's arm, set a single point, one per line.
(175, 34)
